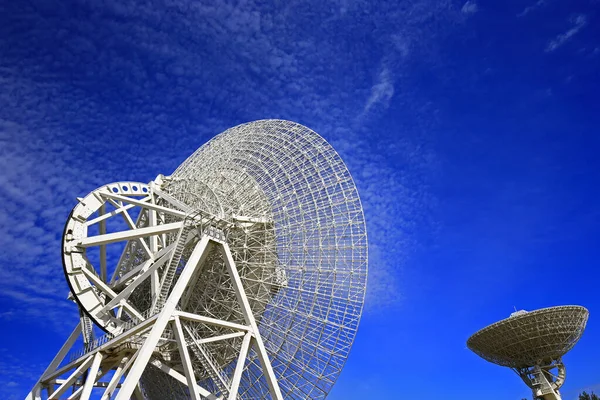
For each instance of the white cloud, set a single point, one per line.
(381, 92)
(171, 80)
(401, 44)
(578, 22)
(17, 374)
(470, 7)
(531, 8)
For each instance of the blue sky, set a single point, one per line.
(471, 130)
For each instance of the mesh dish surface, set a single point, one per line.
(531, 338)
(304, 270)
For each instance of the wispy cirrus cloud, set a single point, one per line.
(381, 92)
(470, 7)
(15, 371)
(538, 4)
(130, 90)
(578, 22)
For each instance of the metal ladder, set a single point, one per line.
(87, 330)
(169, 274)
(210, 365)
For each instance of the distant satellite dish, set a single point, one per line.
(532, 344)
(240, 276)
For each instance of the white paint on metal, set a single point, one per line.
(283, 272)
(91, 377)
(188, 369)
(161, 322)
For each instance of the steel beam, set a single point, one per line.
(197, 257)
(173, 201)
(121, 263)
(212, 321)
(181, 378)
(239, 367)
(109, 292)
(221, 337)
(71, 379)
(60, 356)
(141, 267)
(104, 370)
(114, 381)
(143, 204)
(112, 213)
(144, 325)
(128, 235)
(124, 294)
(154, 279)
(185, 358)
(91, 377)
(249, 316)
(102, 231)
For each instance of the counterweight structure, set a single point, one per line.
(532, 344)
(240, 276)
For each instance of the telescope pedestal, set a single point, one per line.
(544, 380)
(132, 351)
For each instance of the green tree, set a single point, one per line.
(591, 396)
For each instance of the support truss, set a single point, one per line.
(284, 202)
(544, 380)
(130, 353)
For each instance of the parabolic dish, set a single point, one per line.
(284, 202)
(530, 338)
(294, 178)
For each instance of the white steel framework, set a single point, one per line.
(532, 344)
(241, 276)
(133, 350)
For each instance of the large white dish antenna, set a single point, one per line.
(244, 271)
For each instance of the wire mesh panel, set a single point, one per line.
(529, 338)
(279, 205)
(299, 241)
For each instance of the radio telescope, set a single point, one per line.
(240, 276)
(532, 344)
